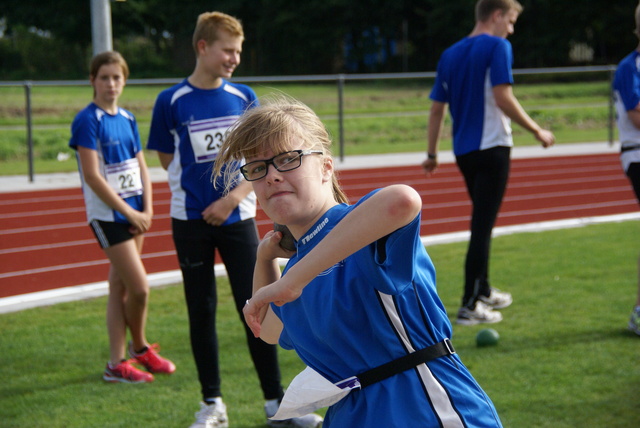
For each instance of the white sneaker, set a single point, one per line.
(311, 420)
(497, 299)
(211, 416)
(481, 314)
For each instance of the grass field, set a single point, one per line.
(379, 117)
(565, 358)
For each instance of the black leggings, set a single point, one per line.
(196, 243)
(486, 173)
(633, 172)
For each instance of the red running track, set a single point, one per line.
(46, 244)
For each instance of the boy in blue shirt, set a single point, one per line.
(474, 79)
(190, 121)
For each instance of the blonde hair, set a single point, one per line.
(279, 124)
(208, 25)
(484, 8)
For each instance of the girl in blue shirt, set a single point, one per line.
(359, 289)
(117, 193)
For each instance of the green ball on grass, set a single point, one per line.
(487, 337)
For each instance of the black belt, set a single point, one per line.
(406, 362)
(627, 148)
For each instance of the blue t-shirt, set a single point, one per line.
(466, 74)
(375, 306)
(117, 141)
(191, 123)
(626, 88)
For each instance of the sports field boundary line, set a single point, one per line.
(161, 279)
(67, 180)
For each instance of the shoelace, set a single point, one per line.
(151, 352)
(127, 367)
(482, 308)
(155, 347)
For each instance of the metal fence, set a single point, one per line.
(339, 79)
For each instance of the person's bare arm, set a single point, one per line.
(165, 159)
(384, 212)
(509, 104)
(267, 271)
(436, 121)
(147, 193)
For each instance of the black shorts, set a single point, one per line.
(110, 233)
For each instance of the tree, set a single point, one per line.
(44, 42)
(285, 37)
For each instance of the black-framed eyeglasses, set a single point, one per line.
(283, 162)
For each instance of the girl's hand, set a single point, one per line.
(279, 292)
(254, 316)
(270, 249)
(140, 222)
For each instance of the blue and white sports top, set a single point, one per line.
(626, 89)
(375, 306)
(117, 141)
(466, 75)
(191, 124)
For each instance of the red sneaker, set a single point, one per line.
(152, 361)
(125, 372)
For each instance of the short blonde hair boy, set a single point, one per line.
(484, 8)
(208, 25)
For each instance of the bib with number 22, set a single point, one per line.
(124, 178)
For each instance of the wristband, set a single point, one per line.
(432, 156)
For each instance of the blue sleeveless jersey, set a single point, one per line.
(191, 124)
(116, 139)
(371, 308)
(466, 73)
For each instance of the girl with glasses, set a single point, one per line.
(357, 300)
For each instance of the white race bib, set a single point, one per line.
(310, 391)
(208, 135)
(124, 178)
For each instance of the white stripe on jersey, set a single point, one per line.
(180, 92)
(496, 126)
(234, 91)
(247, 207)
(178, 195)
(439, 398)
(125, 114)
